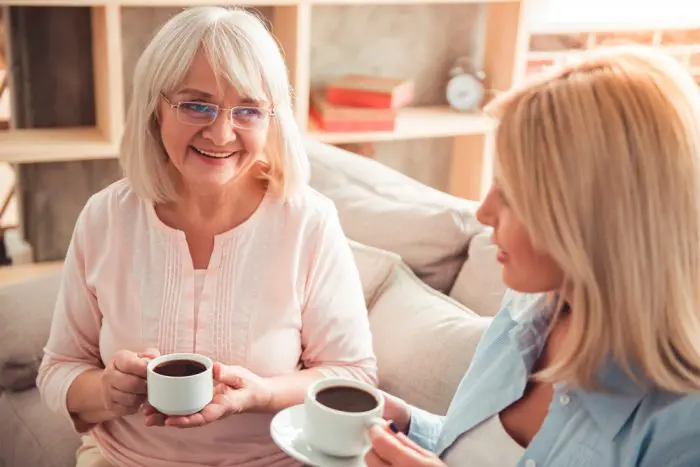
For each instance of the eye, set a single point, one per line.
(198, 107)
(248, 113)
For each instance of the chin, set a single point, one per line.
(526, 284)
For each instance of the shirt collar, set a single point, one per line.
(613, 403)
(619, 395)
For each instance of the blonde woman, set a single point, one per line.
(596, 207)
(213, 243)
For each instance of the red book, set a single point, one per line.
(329, 117)
(370, 91)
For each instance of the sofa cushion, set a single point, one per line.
(381, 207)
(25, 321)
(375, 266)
(31, 435)
(479, 285)
(424, 341)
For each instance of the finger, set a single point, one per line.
(149, 353)
(390, 449)
(373, 460)
(155, 419)
(148, 409)
(208, 414)
(131, 364)
(126, 399)
(186, 421)
(406, 441)
(130, 384)
(228, 375)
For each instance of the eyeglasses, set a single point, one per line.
(204, 113)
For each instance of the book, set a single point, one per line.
(370, 91)
(335, 118)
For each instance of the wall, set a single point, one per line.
(568, 15)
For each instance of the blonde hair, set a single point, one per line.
(601, 162)
(240, 48)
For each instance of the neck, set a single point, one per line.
(215, 210)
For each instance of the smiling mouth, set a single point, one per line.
(214, 155)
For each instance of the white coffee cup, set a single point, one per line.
(180, 395)
(335, 432)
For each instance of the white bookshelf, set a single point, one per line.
(504, 44)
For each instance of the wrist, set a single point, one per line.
(403, 418)
(265, 397)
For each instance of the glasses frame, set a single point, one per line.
(269, 113)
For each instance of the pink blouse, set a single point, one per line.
(281, 292)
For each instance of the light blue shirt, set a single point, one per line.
(630, 427)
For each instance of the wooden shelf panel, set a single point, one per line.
(415, 123)
(65, 144)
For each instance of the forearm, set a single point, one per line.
(289, 390)
(84, 399)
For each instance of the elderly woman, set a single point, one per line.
(212, 243)
(596, 207)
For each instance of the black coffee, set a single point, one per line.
(346, 399)
(180, 368)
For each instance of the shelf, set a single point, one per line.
(414, 123)
(51, 145)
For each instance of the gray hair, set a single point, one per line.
(240, 48)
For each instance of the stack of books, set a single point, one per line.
(360, 103)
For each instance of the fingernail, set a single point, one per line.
(392, 426)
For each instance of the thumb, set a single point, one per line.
(227, 375)
(406, 441)
(149, 353)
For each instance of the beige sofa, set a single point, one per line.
(429, 277)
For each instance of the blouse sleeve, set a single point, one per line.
(73, 344)
(425, 428)
(336, 337)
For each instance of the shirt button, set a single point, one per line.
(530, 463)
(564, 399)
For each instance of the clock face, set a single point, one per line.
(465, 93)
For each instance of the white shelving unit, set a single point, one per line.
(504, 45)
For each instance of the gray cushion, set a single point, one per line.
(31, 435)
(26, 309)
(378, 206)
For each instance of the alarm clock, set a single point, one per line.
(465, 88)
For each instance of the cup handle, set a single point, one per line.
(376, 421)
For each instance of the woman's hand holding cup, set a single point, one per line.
(124, 381)
(236, 390)
(396, 410)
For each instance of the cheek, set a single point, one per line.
(529, 270)
(176, 136)
(254, 141)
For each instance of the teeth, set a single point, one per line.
(218, 155)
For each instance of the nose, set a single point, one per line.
(486, 212)
(221, 131)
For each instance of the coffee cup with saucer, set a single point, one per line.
(331, 427)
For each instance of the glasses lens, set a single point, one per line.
(248, 117)
(197, 113)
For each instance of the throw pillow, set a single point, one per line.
(424, 341)
(381, 207)
(479, 285)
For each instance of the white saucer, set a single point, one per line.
(286, 429)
